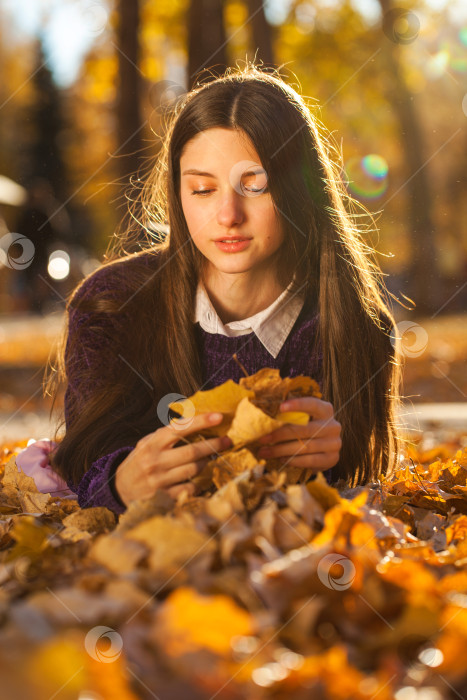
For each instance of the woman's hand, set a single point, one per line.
(316, 444)
(156, 464)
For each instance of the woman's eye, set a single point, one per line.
(253, 189)
(249, 189)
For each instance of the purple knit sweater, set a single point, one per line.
(97, 486)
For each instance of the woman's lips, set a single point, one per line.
(233, 247)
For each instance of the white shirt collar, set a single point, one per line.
(271, 325)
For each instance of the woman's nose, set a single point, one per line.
(231, 209)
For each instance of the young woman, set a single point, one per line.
(263, 259)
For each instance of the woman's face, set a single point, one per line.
(224, 194)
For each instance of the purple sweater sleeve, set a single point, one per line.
(97, 485)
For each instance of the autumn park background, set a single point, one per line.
(218, 596)
(86, 86)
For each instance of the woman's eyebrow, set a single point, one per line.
(193, 171)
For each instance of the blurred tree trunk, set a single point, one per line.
(44, 158)
(424, 286)
(262, 34)
(129, 119)
(206, 38)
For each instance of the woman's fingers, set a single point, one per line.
(193, 452)
(175, 491)
(174, 476)
(171, 434)
(317, 408)
(313, 429)
(168, 436)
(292, 449)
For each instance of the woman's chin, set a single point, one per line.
(232, 263)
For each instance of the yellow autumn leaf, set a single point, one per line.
(188, 621)
(325, 494)
(110, 680)
(338, 523)
(224, 398)
(458, 529)
(57, 662)
(295, 417)
(250, 423)
(32, 538)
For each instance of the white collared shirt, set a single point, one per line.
(271, 325)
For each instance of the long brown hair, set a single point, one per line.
(152, 328)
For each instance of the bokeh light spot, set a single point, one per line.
(59, 265)
(367, 177)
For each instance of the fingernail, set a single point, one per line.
(284, 406)
(215, 417)
(226, 441)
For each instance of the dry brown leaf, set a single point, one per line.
(14, 479)
(97, 519)
(172, 545)
(119, 554)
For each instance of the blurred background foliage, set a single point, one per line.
(85, 89)
(388, 79)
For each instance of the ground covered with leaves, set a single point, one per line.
(259, 587)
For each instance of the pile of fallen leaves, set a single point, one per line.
(259, 587)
